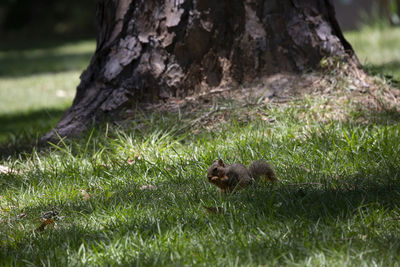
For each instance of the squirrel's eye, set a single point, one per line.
(215, 171)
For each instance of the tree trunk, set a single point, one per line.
(150, 50)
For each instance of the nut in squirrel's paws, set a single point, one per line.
(213, 179)
(219, 181)
(217, 178)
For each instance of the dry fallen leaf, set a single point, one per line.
(131, 161)
(86, 196)
(5, 169)
(49, 214)
(22, 215)
(43, 224)
(148, 187)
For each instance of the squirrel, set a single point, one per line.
(237, 176)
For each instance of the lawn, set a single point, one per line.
(137, 193)
(378, 49)
(36, 86)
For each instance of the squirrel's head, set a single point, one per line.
(216, 171)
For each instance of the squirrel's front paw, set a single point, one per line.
(214, 179)
(224, 178)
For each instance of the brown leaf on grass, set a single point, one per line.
(22, 215)
(131, 161)
(214, 210)
(43, 224)
(148, 187)
(86, 196)
(50, 214)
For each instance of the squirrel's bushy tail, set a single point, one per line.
(261, 169)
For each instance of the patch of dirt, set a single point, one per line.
(338, 90)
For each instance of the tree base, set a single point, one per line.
(149, 51)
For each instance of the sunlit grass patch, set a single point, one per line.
(378, 49)
(36, 86)
(37, 92)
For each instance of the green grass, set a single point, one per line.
(337, 203)
(378, 49)
(36, 86)
(57, 58)
(349, 217)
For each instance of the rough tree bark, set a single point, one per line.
(149, 50)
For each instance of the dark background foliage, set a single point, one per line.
(47, 19)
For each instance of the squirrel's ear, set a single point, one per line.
(220, 162)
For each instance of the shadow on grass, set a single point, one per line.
(21, 45)
(178, 205)
(384, 117)
(390, 70)
(20, 132)
(20, 65)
